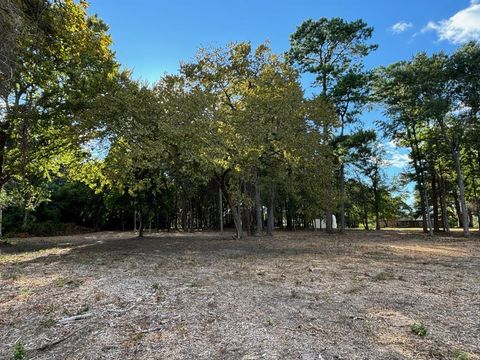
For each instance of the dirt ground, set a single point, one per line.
(205, 296)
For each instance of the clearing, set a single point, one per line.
(204, 296)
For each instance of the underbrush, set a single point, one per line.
(47, 228)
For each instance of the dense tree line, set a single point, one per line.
(231, 139)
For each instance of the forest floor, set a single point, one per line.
(300, 295)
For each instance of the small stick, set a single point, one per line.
(56, 342)
(158, 328)
(74, 318)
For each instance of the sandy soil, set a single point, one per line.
(205, 296)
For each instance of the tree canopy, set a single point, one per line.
(233, 127)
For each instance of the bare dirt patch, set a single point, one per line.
(204, 296)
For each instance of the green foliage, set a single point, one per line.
(329, 47)
(419, 329)
(433, 106)
(460, 355)
(383, 276)
(63, 64)
(47, 228)
(82, 142)
(19, 352)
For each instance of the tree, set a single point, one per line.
(62, 64)
(333, 50)
(369, 158)
(254, 111)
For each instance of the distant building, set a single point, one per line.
(406, 222)
(321, 224)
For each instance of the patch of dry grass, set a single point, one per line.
(204, 296)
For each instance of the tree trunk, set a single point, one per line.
(134, 221)
(270, 213)
(329, 221)
(365, 219)
(461, 188)
(443, 202)
(140, 229)
(376, 195)
(220, 207)
(191, 217)
(237, 217)
(25, 218)
(342, 197)
(413, 142)
(436, 225)
(288, 214)
(458, 211)
(429, 220)
(280, 216)
(258, 207)
(365, 213)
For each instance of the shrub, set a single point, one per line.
(383, 276)
(460, 355)
(19, 352)
(419, 329)
(46, 228)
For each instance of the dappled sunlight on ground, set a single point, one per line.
(431, 250)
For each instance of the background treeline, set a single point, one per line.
(231, 139)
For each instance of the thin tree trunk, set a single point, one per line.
(458, 211)
(436, 225)
(329, 221)
(140, 229)
(25, 218)
(376, 196)
(461, 188)
(342, 197)
(258, 207)
(443, 202)
(270, 213)
(134, 220)
(191, 217)
(288, 214)
(220, 207)
(429, 220)
(237, 218)
(365, 217)
(412, 136)
(280, 216)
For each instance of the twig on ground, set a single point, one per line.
(75, 318)
(155, 329)
(56, 342)
(122, 310)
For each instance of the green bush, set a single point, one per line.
(19, 352)
(419, 329)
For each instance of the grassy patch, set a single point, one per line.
(60, 282)
(460, 355)
(419, 329)
(48, 322)
(24, 293)
(383, 276)
(19, 352)
(10, 275)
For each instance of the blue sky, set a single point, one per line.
(152, 37)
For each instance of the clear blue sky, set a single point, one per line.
(152, 37)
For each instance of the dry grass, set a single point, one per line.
(204, 296)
